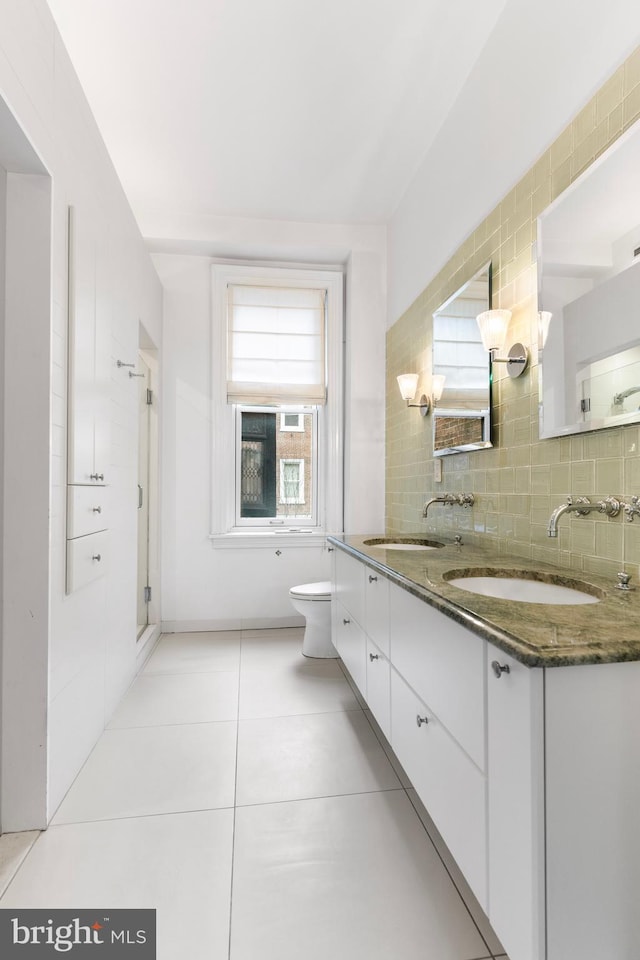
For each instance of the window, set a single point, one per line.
(277, 402)
(276, 470)
(292, 422)
(292, 482)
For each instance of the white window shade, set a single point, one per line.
(276, 344)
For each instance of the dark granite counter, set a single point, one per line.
(536, 634)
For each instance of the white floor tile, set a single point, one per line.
(195, 653)
(271, 648)
(180, 865)
(148, 770)
(318, 755)
(13, 849)
(308, 686)
(347, 878)
(474, 907)
(187, 698)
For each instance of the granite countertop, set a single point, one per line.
(536, 634)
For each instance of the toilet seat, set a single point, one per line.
(312, 591)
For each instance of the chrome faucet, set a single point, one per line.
(582, 506)
(462, 499)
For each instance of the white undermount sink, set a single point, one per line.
(524, 587)
(406, 544)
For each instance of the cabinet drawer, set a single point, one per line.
(376, 595)
(350, 585)
(350, 642)
(378, 687)
(451, 787)
(445, 664)
(86, 559)
(86, 510)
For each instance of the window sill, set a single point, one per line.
(253, 539)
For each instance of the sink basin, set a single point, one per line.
(407, 543)
(524, 586)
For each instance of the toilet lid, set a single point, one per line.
(312, 591)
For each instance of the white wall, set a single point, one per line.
(92, 633)
(205, 586)
(542, 63)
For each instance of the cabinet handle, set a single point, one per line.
(420, 720)
(372, 579)
(346, 621)
(97, 510)
(96, 476)
(97, 557)
(374, 656)
(499, 668)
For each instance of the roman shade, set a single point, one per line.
(275, 344)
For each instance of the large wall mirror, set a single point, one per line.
(589, 280)
(462, 417)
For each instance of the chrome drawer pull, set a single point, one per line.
(96, 476)
(374, 656)
(346, 621)
(97, 557)
(372, 579)
(420, 720)
(499, 668)
(97, 510)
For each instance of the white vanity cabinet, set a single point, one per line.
(531, 775)
(515, 728)
(347, 614)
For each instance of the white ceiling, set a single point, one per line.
(285, 109)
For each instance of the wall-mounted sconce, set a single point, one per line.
(493, 330)
(408, 382)
(544, 321)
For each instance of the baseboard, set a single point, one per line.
(251, 623)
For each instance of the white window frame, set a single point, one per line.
(330, 431)
(287, 428)
(285, 461)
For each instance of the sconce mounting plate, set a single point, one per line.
(517, 360)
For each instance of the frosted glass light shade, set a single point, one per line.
(408, 383)
(437, 385)
(544, 319)
(493, 328)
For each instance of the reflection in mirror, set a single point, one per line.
(461, 419)
(589, 279)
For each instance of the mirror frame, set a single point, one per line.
(445, 411)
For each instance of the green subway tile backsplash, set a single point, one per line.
(521, 479)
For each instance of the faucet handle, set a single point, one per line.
(467, 499)
(623, 581)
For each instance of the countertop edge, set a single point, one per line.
(505, 641)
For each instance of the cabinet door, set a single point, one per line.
(451, 787)
(350, 585)
(82, 348)
(445, 664)
(350, 642)
(378, 689)
(376, 595)
(516, 806)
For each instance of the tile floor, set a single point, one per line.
(242, 791)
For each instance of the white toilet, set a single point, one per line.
(313, 601)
